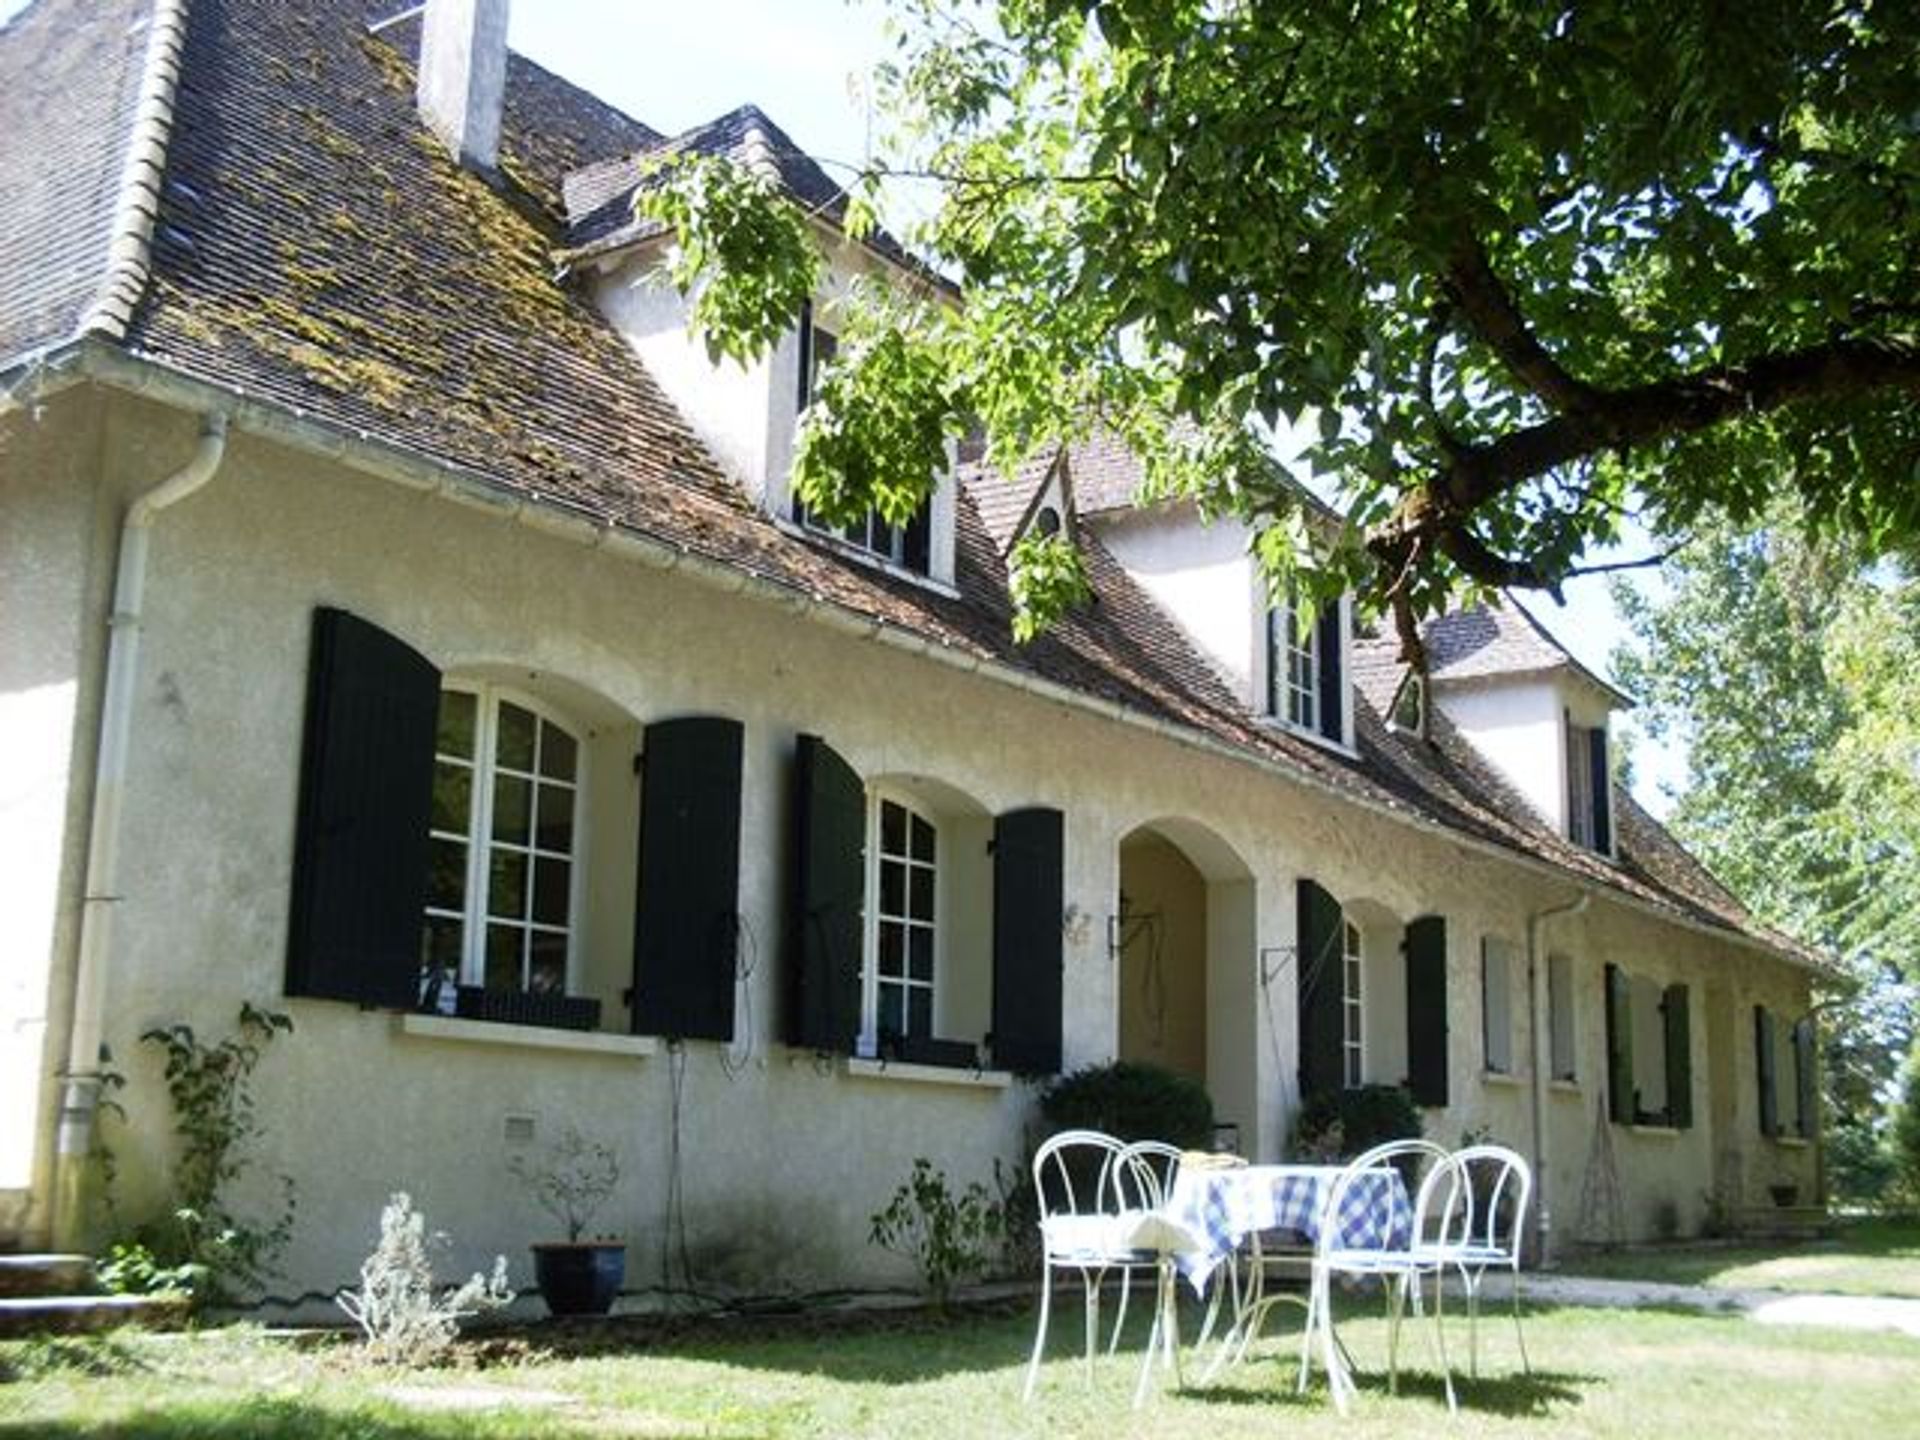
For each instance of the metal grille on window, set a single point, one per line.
(905, 926)
(1350, 1041)
(502, 849)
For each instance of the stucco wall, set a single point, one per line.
(1520, 726)
(1201, 575)
(782, 1157)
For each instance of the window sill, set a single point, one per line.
(859, 1069)
(1790, 1142)
(860, 555)
(1500, 1078)
(1659, 1132)
(524, 1037)
(1312, 737)
(1565, 1087)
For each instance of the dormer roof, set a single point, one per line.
(1500, 641)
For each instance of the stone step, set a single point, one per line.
(28, 1275)
(77, 1314)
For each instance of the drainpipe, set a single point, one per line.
(1540, 1058)
(80, 1076)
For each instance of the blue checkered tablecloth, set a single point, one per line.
(1220, 1208)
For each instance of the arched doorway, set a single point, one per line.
(1185, 952)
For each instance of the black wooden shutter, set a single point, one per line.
(1806, 1077)
(1426, 949)
(1674, 1006)
(917, 543)
(1620, 1096)
(1602, 786)
(1764, 1070)
(686, 925)
(1322, 1023)
(805, 391)
(1028, 892)
(366, 793)
(825, 903)
(1332, 673)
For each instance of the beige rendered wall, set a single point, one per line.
(783, 1156)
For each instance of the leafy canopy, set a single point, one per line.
(1494, 272)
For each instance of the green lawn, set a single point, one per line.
(1865, 1257)
(904, 1376)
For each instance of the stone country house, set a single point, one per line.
(404, 626)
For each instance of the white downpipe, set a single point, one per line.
(1540, 1057)
(80, 1076)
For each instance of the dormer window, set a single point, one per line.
(1589, 788)
(1306, 666)
(908, 546)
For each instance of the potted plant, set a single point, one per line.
(576, 1276)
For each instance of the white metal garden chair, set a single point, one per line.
(1435, 1183)
(1497, 1184)
(1099, 1213)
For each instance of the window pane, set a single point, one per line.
(922, 893)
(922, 840)
(513, 746)
(512, 807)
(920, 1011)
(452, 798)
(891, 942)
(556, 819)
(558, 753)
(892, 1011)
(446, 874)
(920, 952)
(893, 829)
(454, 734)
(893, 889)
(547, 974)
(550, 891)
(503, 957)
(507, 887)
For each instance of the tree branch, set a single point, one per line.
(1489, 309)
(1645, 562)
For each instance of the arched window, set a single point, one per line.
(505, 852)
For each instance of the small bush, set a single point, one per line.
(1132, 1102)
(405, 1322)
(950, 1237)
(1339, 1124)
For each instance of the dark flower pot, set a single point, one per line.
(581, 1278)
(1784, 1195)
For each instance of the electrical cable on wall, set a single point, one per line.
(1282, 956)
(674, 1223)
(738, 1054)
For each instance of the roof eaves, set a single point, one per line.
(128, 250)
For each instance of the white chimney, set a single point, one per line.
(463, 76)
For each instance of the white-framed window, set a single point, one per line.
(1352, 1013)
(908, 546)
(1560, 1031)
(1589, 813)
(903, 922)
(1496, 1004)
(504, 843)
(1293, 667)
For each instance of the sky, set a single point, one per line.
(805, 63)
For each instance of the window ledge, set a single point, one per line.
(1659, 1132)
(1791, 1142)
(1500, 1077)
(1312, 737)
(860, 555)
(859, 1069)
(1565, 1087)
(525, 1037)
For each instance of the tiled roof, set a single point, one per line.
(599, 197)
(73, 70)
(1501, 639)
(1002, 500)
(318, 250)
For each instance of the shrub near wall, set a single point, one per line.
(1339, 1124)
(1131, 1102)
